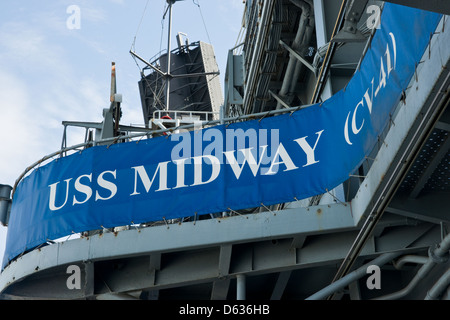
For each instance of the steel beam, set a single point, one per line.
(430, 207)
(434, 163)
(416, 117)
(282, 281)
(178, 237)
(193, 267)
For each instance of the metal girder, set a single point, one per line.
(220, 289)
(417, 115)
(431, 207)
(221, 285)
(279, 100)
(224, 260)
(349, 32)
(434, 163)
(209, 252)
(282, 281)
(187, 268)
(210, 233)
(298, 56)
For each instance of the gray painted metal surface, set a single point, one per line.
(294, 250)
(184, 236)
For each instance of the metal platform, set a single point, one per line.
(395, 207)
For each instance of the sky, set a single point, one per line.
(55, 65)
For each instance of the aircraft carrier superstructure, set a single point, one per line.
(393, 211)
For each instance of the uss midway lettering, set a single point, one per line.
(103, 187)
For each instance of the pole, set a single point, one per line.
(171, 2)
(240, 287)
(355, 275)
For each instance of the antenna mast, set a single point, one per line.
(168, 78)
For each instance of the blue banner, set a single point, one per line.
(237, 166)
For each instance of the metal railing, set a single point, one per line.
(184, 114)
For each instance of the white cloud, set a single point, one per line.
(30, 50)
(121, 2)
(19, 127)
(92, 14)
(40, 87)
